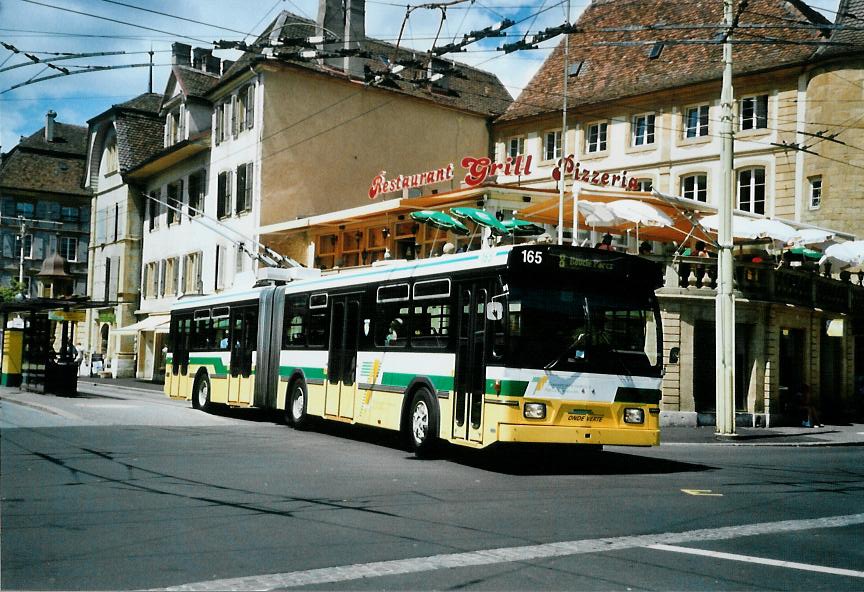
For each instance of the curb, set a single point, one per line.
(45, 408)
(88, 385)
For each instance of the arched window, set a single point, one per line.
(695, 187)
(751, 190)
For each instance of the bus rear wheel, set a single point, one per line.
(201, 393)
(423, 423)
(295, 407)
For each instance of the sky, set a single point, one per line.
(43, 27)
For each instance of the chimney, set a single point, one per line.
(49, 126)
(180, 54)
(199, 58)
(212, 64)
(347, 20)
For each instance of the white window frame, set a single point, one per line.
(517, 142)
(556, 148)
(601, 142)
(815, 193)
(648, 137)
(28, 252)
(641, 184)
(696, 176)
(753, 187)
(700, 130)
(756, 120)
(64, 249)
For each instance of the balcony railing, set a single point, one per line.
(766, 282)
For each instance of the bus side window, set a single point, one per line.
(391, 324)
(294, 334)
(318, 328)
(431, 322)
(221, 334)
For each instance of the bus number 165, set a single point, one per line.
(535, 257)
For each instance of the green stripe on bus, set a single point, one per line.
(509, 388)
(219, 366)
(441, 383)
(314, 373)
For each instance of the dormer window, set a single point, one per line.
(175, 126)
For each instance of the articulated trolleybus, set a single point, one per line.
(526, 343)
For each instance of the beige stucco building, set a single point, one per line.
(650, 107)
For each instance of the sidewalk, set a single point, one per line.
(830, 435)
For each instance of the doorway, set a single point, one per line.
(470, 379)
(791, 370)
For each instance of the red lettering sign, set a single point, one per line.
(593, 177)
(381, 184)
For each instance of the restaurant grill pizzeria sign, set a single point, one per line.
(479, 169)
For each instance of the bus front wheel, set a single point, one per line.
(201, 396)
(423, 423)
(295, 409)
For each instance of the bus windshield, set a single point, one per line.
(566, 329)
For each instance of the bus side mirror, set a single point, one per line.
(674, 353)
(495, 311)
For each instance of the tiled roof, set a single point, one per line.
(194, 82)
(143, 102)
(612, 72)
(138, 138)
(479, 91)
(851, 14)
(55, 167)
(68, 139)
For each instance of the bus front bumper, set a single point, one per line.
(547, 434)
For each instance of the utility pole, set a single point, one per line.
(725, 305)
(562, 168)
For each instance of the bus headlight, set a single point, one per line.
(534, 410)
(634, 415)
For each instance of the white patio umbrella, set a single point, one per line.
(598, 214)
(639, 212)
(753, 228)
(813, 237)
(844, 255)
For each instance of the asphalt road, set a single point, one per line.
(123, 491)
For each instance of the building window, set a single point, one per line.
(516, 146)
(23, 208)
(151, 279)
(28, 246)
(695, 187)
(245, 108)
(696, 122)
(153, 209)
(815, 192)
(70, 214)
(112, 162)
(645, 185)
(192, 273)
(244, 188)
(174, 202)
(552, 146)
(222, 122)
(69, 248)
(223, 195)
(643, 129)
(172, 275)
(197, 190)
(754, 112)
(595, 137)
(751, 190)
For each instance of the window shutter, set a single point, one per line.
(250, 106)
(113, 281)
(218, 282)
(8, 244)
(249, 177)
(235, 126)
(217, 124)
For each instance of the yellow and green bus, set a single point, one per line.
(525, 343)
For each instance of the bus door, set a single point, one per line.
(181, 333)
(470, 379)
(244, 335)
(342, 361)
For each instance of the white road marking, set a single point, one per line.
(343, 573)
(761, 560)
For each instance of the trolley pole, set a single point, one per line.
(725, 305)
